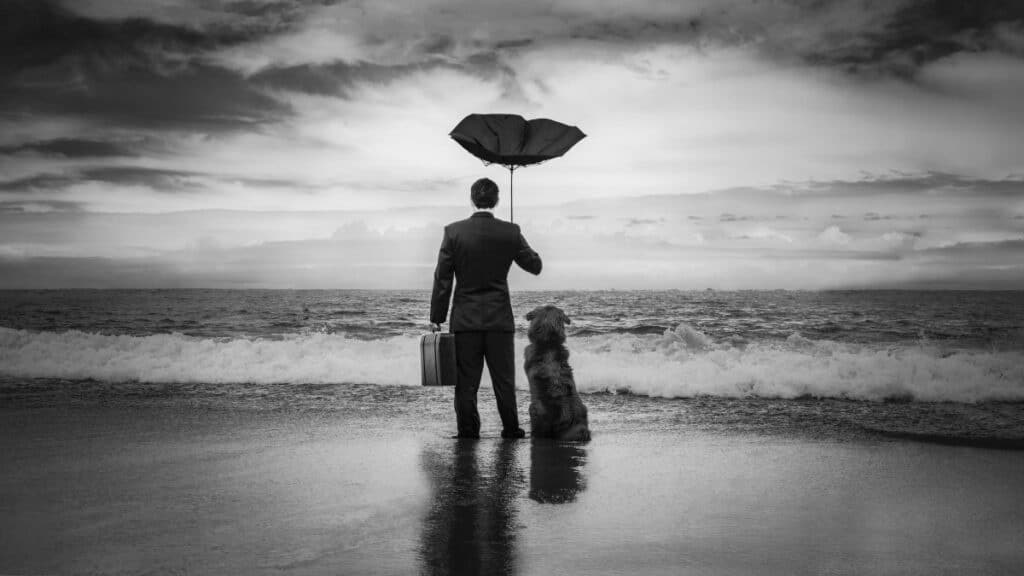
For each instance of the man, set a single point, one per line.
(478, 253)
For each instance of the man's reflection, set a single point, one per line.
(469, 528)
(556, 471)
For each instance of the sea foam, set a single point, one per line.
(682, 362)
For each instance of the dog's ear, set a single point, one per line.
(531, 314)
(565, 318)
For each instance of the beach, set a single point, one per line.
(268, 432)
(331, 479)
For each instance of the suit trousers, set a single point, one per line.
(471, 349)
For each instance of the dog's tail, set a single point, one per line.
(578, 433)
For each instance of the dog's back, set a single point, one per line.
(556, 410)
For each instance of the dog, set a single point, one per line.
(556, 410)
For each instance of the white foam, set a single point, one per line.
(799, 367)
(308, 358)
(681, 363)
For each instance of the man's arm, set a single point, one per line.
(526, 258)
(443, 275)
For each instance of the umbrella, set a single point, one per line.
(514, 142)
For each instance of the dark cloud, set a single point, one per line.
(681, 28)
(200, 97)
(336, 78)
(138, 72)
(921, 32)
(509, 44)
(285, 11)
(440, 44)
(155, 178)
(134, 72)
(38, 33)
(158, 179)
(37, 182)
(339, 78)
(886, 184)
(893, 37)
(25, 206)
(74, 148)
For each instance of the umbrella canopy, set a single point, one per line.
(512, 141)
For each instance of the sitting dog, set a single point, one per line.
(556, 410)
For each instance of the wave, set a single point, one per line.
(638, 329)
(686, 363)
(681, 362)
(315, 358)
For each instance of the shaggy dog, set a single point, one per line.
(556, 410)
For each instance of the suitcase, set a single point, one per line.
(437, 359)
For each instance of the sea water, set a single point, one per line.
(936, 364)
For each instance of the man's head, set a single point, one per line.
(484, 193)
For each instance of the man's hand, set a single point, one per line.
(435, 327)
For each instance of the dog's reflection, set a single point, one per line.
(470, 528)
(556, 471)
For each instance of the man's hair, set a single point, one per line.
(484, 193)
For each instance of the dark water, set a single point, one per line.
(944, 366)
(990, 320)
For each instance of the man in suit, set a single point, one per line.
(478, 252)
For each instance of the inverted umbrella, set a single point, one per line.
(513, 142)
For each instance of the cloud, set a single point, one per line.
(803, 117)
(198, 97)
(914, 33)
(396, 248)
(895, 37)
(335, 78)
(35, 206)
(984, 250)
(130, 72)
(630, 222)
(72, 148)
(764, 233)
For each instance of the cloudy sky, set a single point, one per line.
(304, 143)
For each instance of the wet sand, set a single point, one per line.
(168, 487)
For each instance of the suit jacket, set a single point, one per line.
(478, 253)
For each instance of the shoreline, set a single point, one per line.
(995, 425)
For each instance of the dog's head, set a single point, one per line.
(547, 325)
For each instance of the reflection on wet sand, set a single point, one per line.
(470, 526)
(556, 471)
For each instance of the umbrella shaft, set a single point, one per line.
(511, 215)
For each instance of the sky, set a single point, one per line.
(731, 144)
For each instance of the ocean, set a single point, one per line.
(941, 366)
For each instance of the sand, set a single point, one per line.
(165, 486)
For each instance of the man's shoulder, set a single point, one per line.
(501, 228)
(456, 224)
(496, 222)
